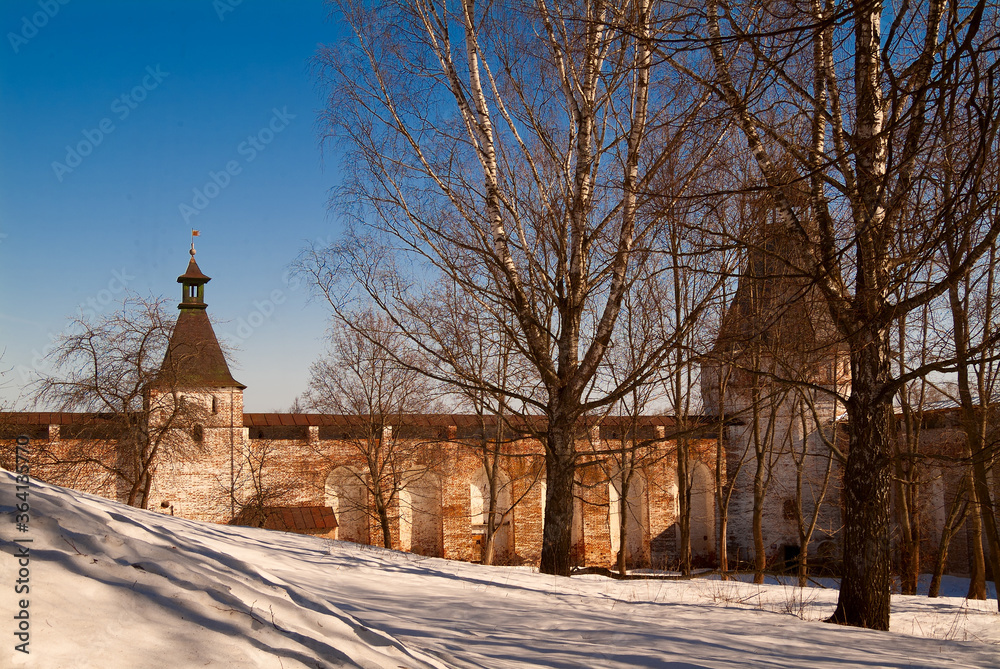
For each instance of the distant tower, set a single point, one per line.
(196, 410)
(777, 351)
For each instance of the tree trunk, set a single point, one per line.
(489, 548)
(806, 530)
(981, 506)
(956, 516)
(909, 540)
(721, 503)
(138, 493)
(560, 465)
(982, 512)
(147, 484)
(977, 563)
(942, 557)
(684, 507)
(491, 468)
(865, 586)
(759, 555)
(761, 450)
(383, 521)
(907, 483)
(723, 549)
(489, 545)
(804, 534)
(986, 512)
(865, 583)
(626, 479)
(133, 492)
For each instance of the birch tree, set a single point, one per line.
(506, 146)
(864, 114)
(692, 281)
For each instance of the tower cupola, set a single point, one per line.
(193, 283)
(194, 358)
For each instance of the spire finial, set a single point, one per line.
(194, 233)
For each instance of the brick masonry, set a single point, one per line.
(204, 468)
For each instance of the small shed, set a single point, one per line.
(315, 520)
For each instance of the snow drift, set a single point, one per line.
(117, 587)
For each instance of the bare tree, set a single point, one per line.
(491, 375)
(863, 115)
(958, 511)
(715, 389)
(363, 380)
(972, 305)
(695, 269)
(812, 483)
(506, 147)
(775, 346)
(725, 475)
(914, 348)
(256, 485)
(491, 439)
(106, 366)
(907, 477)
(624, 455)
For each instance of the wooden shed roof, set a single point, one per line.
(290, 518)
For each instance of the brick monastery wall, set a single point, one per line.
(939, 472)
(198, 488)
(195, 480)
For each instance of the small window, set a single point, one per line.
(789, 510)
(215, 404)
(198, 433)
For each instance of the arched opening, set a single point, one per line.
(503, 521)
(347, 495)
(636, 519)
(702, 510)
(420, 527)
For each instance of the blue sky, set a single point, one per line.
(125, 124)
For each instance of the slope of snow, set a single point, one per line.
(116, 587)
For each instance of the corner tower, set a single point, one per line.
(196, 413)
(774, 375)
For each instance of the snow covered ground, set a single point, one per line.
(115, 587)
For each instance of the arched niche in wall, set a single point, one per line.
(420, 527)
(347, 495)
(702, 510)
(636, 518)
(503, 521)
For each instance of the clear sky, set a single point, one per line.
(123, 125)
